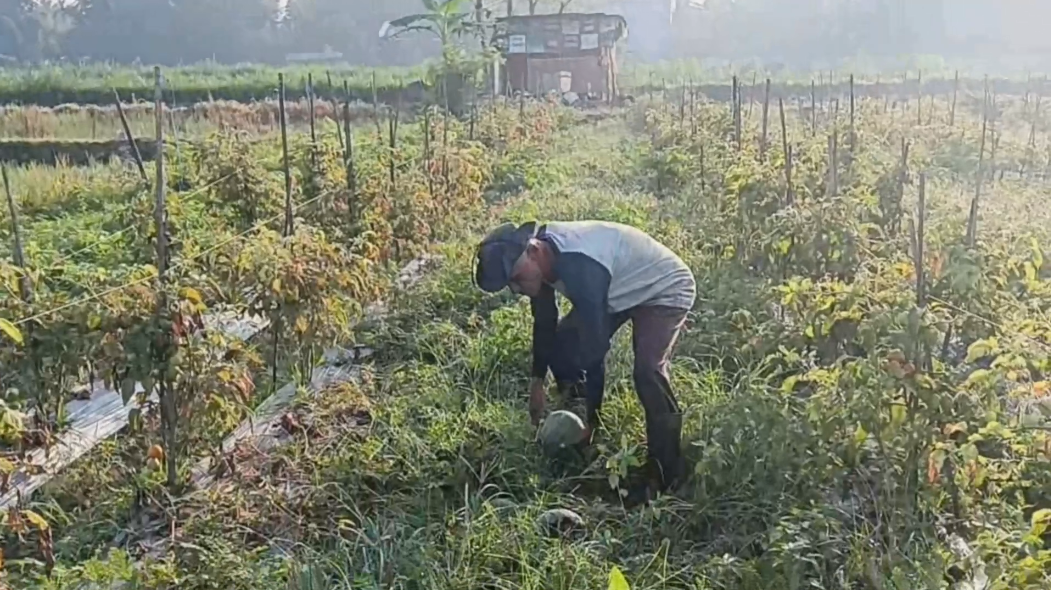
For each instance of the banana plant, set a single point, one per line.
(445, 19)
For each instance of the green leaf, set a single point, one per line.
(617, 581)
(982, 349)
(897, 415)
(127, 390)
(860, 436)
(1040, 520)
(11, 331)
(192, 295)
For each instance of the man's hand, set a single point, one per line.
(537, 400)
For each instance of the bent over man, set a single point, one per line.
(611, 273)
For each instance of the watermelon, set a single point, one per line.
(562, 429)
(560, 522)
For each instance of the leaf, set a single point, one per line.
(192, 295)
(1040, 520)
(36, 520)
(934, 466)
(897, 415)
(11, 331)
(1042, 388)
(135, 419)
(860, 436)
(617, 581)
(955, 428)
(127, 390)
(982, 349)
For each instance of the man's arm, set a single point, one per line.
(545, 322)
(587, 287)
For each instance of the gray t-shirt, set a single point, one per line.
(642, 271)
(605, 268)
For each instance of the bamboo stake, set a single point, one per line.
(376, 108)
(972, 218)
(751, 95)
(813, 109)
(853, 129)
(19, 255)
(736, 99)
(787, 150)
(313, 123)
(288, 228)
(955, 93)
(766, 116)
(169, 416)
(130, 138)
(919, 98)
(921, 216)
(348, 157)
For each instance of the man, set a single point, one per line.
(611, 273)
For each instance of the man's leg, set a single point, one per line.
(655, 331)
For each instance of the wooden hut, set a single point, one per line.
(572, 52)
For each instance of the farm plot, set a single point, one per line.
(864, 378)
(87, 296)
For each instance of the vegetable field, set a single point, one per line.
(314, 394)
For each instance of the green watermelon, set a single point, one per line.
(562, 429)
(560, 522)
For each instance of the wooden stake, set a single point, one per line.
(736, 98)
(751, 95)
(169, 415)
(19, 255)
(766, 116)
(787, 151)
(427, 148)
(813, 109)
(288, 228)
(392, 126)
(130, 138)
(376, 108)
(831, 188)
(348, 157)
(313, 123)
(972, 218)
(853, 129)
(921, 216)
(955, 93)
(919, 98)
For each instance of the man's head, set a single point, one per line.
(512, 257)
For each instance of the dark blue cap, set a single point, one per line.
(498, 253)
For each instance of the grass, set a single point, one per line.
(827, 451)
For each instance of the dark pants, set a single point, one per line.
(654, 333)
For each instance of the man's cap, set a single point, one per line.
(498, 253)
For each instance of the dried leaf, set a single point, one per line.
(36, 520)
(11, 331)
(934, 466)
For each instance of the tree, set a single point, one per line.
(15, 27)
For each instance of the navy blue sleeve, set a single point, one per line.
(587, 287)
(545, 322)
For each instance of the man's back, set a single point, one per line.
(642, 270)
